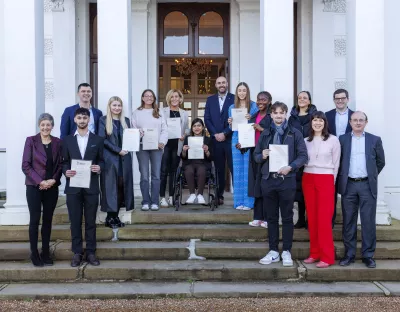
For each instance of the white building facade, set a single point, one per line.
(122, 47)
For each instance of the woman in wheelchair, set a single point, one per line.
(197, 167)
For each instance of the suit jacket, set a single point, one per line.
(34, 160)
(68, 125)
(217, 121)
(94, 152)
(331, 117)
(184, 125)
(375, 160)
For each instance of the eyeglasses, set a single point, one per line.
(148, 96)
(358, 120)
(340, 99)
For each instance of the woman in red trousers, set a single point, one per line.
(319, 188)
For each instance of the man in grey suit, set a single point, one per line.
(362, 160)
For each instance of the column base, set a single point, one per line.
(14, 214)
(383, 216)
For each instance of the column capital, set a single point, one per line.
(249, 6)
(57, 5)
(140, 6)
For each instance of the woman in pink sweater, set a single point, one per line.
(319, 186)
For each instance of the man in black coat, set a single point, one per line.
(279, 188)
(83, 145)
(362, 160)
(339, 124)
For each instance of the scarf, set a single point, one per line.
(279, 131)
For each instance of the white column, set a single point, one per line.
(152, 53)
(114, 49)
(277, 51)
(63, 61)
(82, 46)
(304, 49)
(234, 56)
(365, 74)
(140, 37)
(249, 34)
(392, 97)
(24, 95)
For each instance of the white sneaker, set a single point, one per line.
(163, 203)
(246, 208)
(264, 224)
(255, 223)
(287, 258)
(239, 207)
(170, 201)
(200, 199)
(154, 207)
(145, 207)
(191, 199)
(272, 256)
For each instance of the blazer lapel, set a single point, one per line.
(367, 146)
(75, 146)
(88, 144)
(39, 146)
(227, 102)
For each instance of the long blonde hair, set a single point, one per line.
(109, 120)
(169, 96)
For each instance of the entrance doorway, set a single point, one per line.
(193, 51)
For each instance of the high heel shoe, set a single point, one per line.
(46, 259)
(36, 260)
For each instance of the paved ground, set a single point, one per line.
(229, 305)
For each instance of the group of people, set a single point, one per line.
(327, 153)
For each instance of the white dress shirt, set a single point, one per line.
(221, 99)
(341, 121)
(82, 142)
(358, 163)
(91, 126)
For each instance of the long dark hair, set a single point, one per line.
(325, 133)
(297, 100)
(196, 120)
(156, 112)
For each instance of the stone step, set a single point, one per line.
(187, 270)
(179, 290)
(165, 232)
(156, 250)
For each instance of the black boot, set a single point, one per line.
(300, 224)
(46, 259)
(35, 258)
(110, 222)
(119, 223)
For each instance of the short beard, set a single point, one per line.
(82, 128)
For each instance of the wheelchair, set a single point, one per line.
(211, 187)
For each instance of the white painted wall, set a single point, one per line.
(2, 84)
(152, 50)
(391, 110)
(234, 61)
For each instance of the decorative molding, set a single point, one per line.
(340, 47)
(335, 6)
(49, 90)
(48, 46)
(340, 83)
(140, 6)
(249, 6)
(58, 5)
(48, 6)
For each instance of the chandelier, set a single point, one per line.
(186, 66)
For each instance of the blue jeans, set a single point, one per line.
(146, 159)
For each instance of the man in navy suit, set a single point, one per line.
(362, 160)
(83, 145)
(216, 120)
(339, 124)
(68, 125)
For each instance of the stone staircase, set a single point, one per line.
(155, 249)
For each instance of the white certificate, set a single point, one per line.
(247, 135)
(83, 173)
(238, 117)
(131, 140)
(174, 128)
(278, 157)
(195, 147)
(150, 139)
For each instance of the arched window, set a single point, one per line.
(176, 33)
(211, 34)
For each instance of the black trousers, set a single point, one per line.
(278, 194)
(78, 205)
(259, 208)
(169, 164)
(120, 198)
(36, 198)
(358, 196)
(222, 154)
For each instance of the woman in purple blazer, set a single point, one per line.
(41, 164)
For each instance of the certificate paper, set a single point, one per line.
(150, 139)
(247, 135)
(131, 140)
(278, 157)
(196, 147)
(174, 128)
(238, 117)
(83, 173)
